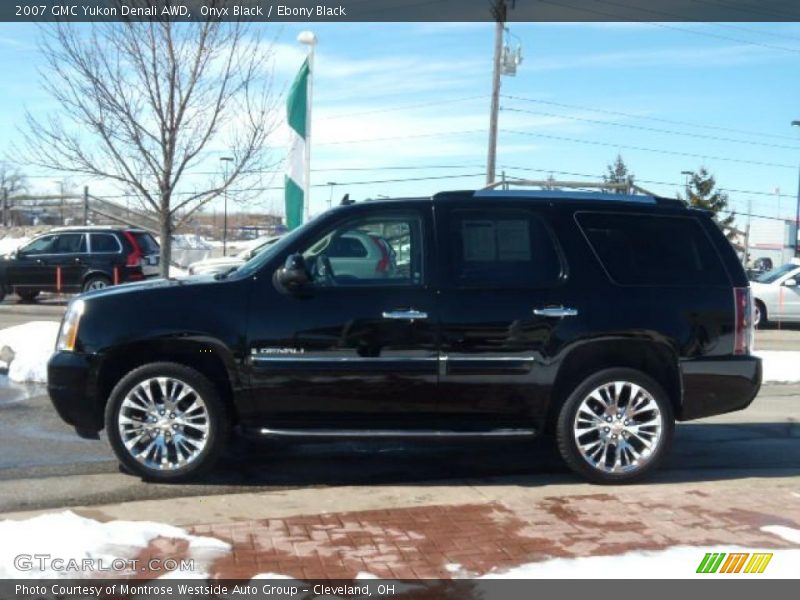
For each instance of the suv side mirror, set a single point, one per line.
(791, 282)
(293, 275)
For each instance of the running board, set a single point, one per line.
(394, 433)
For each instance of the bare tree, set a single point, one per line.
(12, 179)
(146, 106)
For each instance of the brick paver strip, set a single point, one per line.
(426, 542)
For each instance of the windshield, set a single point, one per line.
(255, 263)
(774, 275)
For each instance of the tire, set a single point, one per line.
(587, 398)
(96, 282)
(760, 315)
(2, 293)
(28, 295)
(161, 452)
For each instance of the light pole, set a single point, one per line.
(330, 198)
(687, 175)
(225, 161)
(797, 212)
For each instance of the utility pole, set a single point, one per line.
(797, 212)
(86, 205)
(5, 207)
(499, 11)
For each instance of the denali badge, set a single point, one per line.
(257, 351)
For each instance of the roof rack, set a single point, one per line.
(577, 190)
(625, 187)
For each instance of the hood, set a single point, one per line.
(221, 261)
(150, 284)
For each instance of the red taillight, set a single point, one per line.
(386, 260)
(743, 334)
(134, 259)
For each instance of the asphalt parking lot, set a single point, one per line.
(44, 464)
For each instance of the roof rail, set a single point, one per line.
(610, 191)
(624, 187)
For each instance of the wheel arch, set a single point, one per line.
(654, 358)
(208, 356)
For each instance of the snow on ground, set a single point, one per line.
(677, 562)
(10, 244)
(787, 533)
(175, 271)
(28, 346)
(67, 536)
(780, 366)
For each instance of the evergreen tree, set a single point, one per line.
(617, 172)
(701, 193)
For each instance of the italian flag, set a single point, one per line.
(295, 184)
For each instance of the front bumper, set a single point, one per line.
(73, 392)
(713, 386)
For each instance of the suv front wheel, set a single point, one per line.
(616, 426)
(166, 422)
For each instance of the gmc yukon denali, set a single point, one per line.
(597, 319)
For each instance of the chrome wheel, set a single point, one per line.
(618, 427)
(163, 423)
(97, 284)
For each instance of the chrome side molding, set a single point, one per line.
(394, 433)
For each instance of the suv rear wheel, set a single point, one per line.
(616, 426)
(166, 422)
(96, 282)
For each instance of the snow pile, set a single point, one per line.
(68, 536)
(780, 365)
(789, 534)
(677, 562)
(9, 244)
(185, 241)
(25, 350)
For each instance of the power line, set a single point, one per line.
(403, 107)
(652, 129)
(645, 149)
(647, 118)
(681, 185)
(620, 17)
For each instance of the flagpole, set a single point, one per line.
(309, 39)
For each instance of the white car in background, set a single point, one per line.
(776, 295)
(211, 266)
(355, 253)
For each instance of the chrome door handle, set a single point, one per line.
(405, 315)
(556, 311)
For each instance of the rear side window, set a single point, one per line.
(104, 242)
(146, 242)
(502, 249)
(69, 243)
(653, 250)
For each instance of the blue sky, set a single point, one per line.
(410, 101)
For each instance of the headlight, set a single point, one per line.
(69, 327)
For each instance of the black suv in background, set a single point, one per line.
(78, 259)
(600, 319)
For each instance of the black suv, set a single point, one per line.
(598, 318)
(75, 259)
